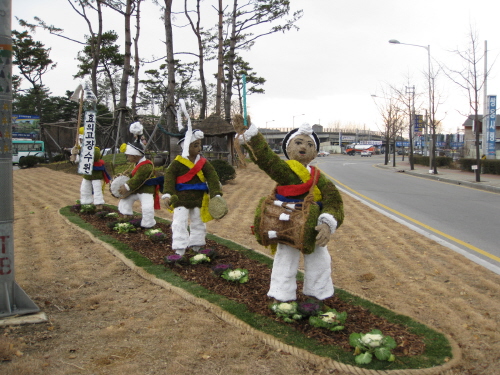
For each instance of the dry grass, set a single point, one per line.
(104, 319)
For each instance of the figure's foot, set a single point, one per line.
(196, 249)
(321, 303)
(98, 207)
(180, 252)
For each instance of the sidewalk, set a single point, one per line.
(489, 182)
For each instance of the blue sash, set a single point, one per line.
(200, 186)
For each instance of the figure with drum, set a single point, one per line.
(139, 184)
(300, 216)
(91, 189)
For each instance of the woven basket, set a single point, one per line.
(217, 207)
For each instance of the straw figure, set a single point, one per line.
(303, 212)
(141, 185)
(91, 189)
(193, 190)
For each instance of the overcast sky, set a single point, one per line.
(327, 71)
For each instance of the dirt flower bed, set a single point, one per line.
(253, 294)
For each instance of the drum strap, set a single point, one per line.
(140, 165)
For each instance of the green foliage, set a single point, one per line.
(30, 161)
(124, 228)
(331, 320)
(368, 344)
(488, 166)
(224, 170)
(237, 275)
(88, 209)
(31, 57)
(110, 58)
(441, 161)
(58, 158)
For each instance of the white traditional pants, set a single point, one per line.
(317, 274)
(147, 208)
(91, 192)
(182, 238)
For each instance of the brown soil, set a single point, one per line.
(105, 319)
(253, 293)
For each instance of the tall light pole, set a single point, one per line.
(293, 119)
(13, 299)
(428, 48)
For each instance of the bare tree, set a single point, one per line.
(197, 30)
(137, 64)
(407, 99)
(170, 107)
(126, 9)
(243, 19)
(468, 77)
(392, 123)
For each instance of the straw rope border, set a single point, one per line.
(269, 339)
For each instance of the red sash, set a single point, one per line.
(192, 172)
(157, 205)
(294, 190)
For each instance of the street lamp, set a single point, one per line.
(293, 119)
(428, 48)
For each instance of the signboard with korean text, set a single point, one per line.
(87, 151)
(491, 128)
(418, 124)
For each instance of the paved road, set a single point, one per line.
(461, 218)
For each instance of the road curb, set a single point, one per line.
(470, 184)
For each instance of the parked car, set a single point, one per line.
(323, 153)
(366, 153)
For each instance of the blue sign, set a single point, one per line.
(492, 114)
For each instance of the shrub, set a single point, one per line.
(488, 166)
(441, 161)
(58, 158)
(29, 161)
(224, 170)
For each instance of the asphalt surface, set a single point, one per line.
(488, 182)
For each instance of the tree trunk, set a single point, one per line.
(170, 107)
(220, 63)
(201, 57)
(230, 65)
(136, 58)
(124, 134)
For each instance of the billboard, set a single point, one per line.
(25, 126)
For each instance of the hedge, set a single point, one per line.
(488, 166)
(441, 161)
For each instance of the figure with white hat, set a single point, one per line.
(297, 182)
(190, 183)
(137, 187)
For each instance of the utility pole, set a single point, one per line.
(411, 91)
(13, 300)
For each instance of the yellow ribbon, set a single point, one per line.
(205, 215)
(305, 176)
